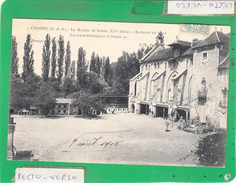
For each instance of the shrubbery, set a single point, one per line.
(211, 149)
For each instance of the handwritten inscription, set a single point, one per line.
(217, 5)
(27, 177)
(200, 7)
(96, 141)
(52, 175)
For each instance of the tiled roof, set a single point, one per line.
(180, 42)
(160, 55)
(190, 50)
(215, 38)
(225, 63)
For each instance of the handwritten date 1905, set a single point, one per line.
(96, 141)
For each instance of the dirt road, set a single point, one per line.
(117, 139)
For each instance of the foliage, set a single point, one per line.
(46, 58)
(87, 101)
(61, 52)
(126, 68)
(211, 149)
(54, 58)
(14, 58)
(93, 63)
(107, 70)
(68, 86)
(28, 60)
(90, 82)
(67, 59)
(23, 92)
(81, 66)
(72, 71)
(45, 100)
(102, 77)
(16, 94)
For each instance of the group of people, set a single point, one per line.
(170, 122)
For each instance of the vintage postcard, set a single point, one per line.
(118, 93)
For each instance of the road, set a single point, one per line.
(117, 139)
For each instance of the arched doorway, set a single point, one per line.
(132, 108)
(170, 87)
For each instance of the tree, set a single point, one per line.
(28, 60)
(126, 68)
(93, 63)
(61, 52)
(102, 72)
(98, 65)
(22, 93)
(67, 58)
(54, 58)
(14, 58)
(87, 101)
(107, 69)
(68, 86)
(81, 66)
(46, 58)
(45, 100)
(16, 93)
(72, 71)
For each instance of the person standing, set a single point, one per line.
(167, 124)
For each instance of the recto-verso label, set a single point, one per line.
(49, 175)
(200, 7)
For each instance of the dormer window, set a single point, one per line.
(204, 56)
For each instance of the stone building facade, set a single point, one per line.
(188, 79)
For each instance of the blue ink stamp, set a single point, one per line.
(195, 28)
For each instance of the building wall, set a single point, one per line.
(183, 91)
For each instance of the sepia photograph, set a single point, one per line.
(118, 93)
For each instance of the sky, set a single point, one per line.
(104, 38)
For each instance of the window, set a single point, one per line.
(224, 75)
(170, 95)
(158, 65)
(146, 67)
(165, 66)
(224, 100)
(204, 56)
(202, 94)
(155, 65)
